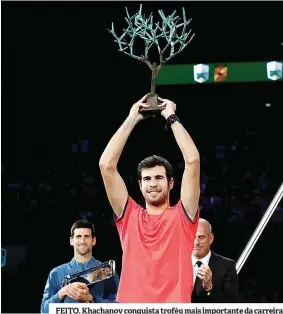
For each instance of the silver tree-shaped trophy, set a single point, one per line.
(171, 30)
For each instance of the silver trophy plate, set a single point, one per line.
(92, 275)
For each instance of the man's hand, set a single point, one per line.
(205, 275)
(77, 291)
(134, 112)
(169, 107)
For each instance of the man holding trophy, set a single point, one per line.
(84, 279)
(157, 241)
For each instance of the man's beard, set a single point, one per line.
(83, 250)
(158, 201)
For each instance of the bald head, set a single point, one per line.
(206, 225)
(203, 239)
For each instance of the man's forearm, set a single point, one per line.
(185, 143)
(113, 150)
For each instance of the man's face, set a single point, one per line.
(203, 240)
(82, 241)
(154, 185)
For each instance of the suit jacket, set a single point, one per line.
(224, 279)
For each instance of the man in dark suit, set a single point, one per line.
(215, 276)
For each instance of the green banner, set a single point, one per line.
(220, 73)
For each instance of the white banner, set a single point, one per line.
(166, 308)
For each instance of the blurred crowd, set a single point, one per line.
(237, 185)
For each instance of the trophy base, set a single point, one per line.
(153, 109)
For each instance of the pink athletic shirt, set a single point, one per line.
(157, 265)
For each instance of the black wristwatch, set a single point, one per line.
(170, 120)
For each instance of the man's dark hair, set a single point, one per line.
(82, 224)
(153, 161)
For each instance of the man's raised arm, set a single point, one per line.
(190, 189)
(114, 184)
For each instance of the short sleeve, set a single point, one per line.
(190, 226)
(130, 211)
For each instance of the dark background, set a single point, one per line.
(65, 91)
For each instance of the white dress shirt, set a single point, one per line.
(204, 260)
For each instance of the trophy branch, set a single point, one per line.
(171, 30)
